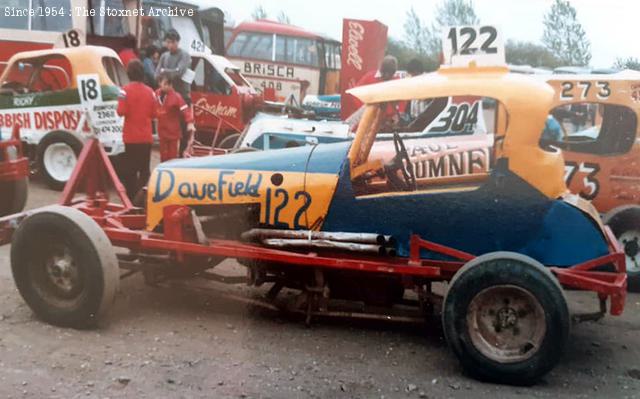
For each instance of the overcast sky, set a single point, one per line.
(612, 26)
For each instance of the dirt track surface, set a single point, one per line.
(182, 343)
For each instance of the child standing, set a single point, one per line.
(138, 105)
(173, 110)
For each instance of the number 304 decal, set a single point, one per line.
(590, 182)
(459, 118)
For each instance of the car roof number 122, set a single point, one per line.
(480, 44)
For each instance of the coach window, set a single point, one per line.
(153, 29)
(593, 128)
(17, 22)
(305, 52)
(52, 23)
(109, 25)
(284, 49)
(332, 55)
(228, 34)
(252, 45)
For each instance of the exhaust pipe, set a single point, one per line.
(361, 238)
(325, 244)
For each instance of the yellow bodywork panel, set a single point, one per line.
(286, 199)
(84, 60)
(619, 88)
(527, 102)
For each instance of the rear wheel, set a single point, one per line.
(625, 224)
(64, 267)
(506, 318)
(14, 196)
(57, 157)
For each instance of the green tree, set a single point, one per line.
(415, 33)
(283, 18)
(449, 13)
(627, 63)
(404, 54)
(527, 53)
(564, 35)
(259, 13)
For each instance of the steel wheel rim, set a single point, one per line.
(630, 241)
(59, 160)
(56, 275)
(506, 323)
(62, 272)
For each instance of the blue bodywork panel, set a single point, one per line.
(504, 214)
(326, 159)
(283, 140)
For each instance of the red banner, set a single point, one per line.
(363, 47)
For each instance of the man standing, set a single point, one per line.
(386, 72)
(138, 105)
(173, 111)
(174, 64)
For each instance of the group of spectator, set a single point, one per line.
(169, 106)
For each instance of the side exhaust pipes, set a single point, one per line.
(354, 242)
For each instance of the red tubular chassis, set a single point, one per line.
(13, 164)
(181, 243)
(14, 175)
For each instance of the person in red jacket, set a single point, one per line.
(173, 110)
(392, 110)
(138, 105)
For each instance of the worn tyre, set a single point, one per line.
(506, 318)
(57, 155)
(64, 267)
(14, 196)
(625, 225)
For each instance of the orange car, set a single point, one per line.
(595, 123)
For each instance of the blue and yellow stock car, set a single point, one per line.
(337, 221)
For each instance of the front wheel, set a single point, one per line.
(506, 318)
(625, 225)
(57, 157)
(64, 267)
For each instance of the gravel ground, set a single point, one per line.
(183, 343)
